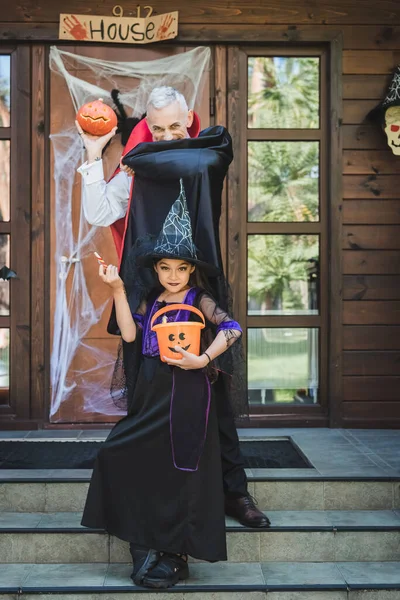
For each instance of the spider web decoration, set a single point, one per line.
(176, 235)
(76, 313)
(393, 94)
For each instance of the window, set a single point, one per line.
(278, 112)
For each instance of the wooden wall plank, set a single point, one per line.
(371, 262)
(358, 137)
(371, 211)
(224, 11)
(371, 237)
(236, 178)
(371, 287)
(371, 363)
(368, 37)
(373, 414)
(355, 37)
(333, 222)
(371, 186)
(373, 312)
(370, 62)
(370, 162)
(38, 268)
(375, 337)
(221, 118)
(365, 87)
(355, 111)
(371, 389)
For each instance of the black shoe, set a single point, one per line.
(170, 569)
(244, 510)
(143, 559)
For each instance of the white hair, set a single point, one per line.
(164, 96)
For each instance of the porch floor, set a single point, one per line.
(334, 453)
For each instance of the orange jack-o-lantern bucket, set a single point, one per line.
(178, 333)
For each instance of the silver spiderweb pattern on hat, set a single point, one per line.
(393, 94)
(176, 235)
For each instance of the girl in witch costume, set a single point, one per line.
(157, 478)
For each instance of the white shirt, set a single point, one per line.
(104, 203)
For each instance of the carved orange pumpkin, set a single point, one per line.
(96, 117)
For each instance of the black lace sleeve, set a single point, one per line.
(220, 319)
(227, 371)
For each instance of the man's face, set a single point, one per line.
(169, 123)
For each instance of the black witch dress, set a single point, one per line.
(137, 493)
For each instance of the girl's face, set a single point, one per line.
(173, 274)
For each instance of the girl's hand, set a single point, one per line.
(110, 277)
(188, 360)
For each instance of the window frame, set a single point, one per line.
(15, 401)
(239, 228)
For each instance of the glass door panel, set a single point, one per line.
(278, 240)
(283, 92)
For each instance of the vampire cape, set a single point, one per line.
(202, 164)
(140, 134)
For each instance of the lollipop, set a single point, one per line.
(100, 260)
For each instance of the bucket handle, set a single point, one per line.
(166, 309)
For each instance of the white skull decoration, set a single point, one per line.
(392, 128)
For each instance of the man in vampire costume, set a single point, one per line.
(136, 201)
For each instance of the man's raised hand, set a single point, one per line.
(94, 144)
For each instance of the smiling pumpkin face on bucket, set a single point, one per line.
(392, 128)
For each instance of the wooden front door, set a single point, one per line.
(83, 376)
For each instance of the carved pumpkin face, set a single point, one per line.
(96, 118)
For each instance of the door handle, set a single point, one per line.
(6, 273)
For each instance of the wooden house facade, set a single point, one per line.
(345, 337)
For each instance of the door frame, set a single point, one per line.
(327, 412)
(16, 411)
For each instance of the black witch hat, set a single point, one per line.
(392, 98)
(175, 239)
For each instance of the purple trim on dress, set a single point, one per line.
(139, 319)
(228, 325)
(184, 315)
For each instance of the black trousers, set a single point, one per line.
(233, 473)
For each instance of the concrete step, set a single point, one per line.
(218, 581)
(50, 491)
(299, 536)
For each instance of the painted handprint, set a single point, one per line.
(162, 32)
(76, 28)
